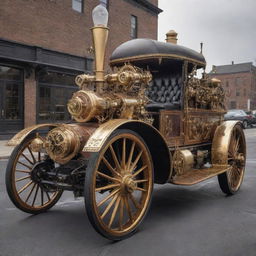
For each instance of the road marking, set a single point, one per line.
(64, 203)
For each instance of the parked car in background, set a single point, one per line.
(252, 116)
(241, 115)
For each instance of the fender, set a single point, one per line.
(155, 141)
(221, 142)
(19, 137)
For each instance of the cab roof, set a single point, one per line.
(142, 50)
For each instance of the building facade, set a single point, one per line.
(239, 83)
(44, 44)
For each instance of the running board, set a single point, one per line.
(195, 176)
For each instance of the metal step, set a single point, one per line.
(195, 176)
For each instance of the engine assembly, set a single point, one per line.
(123, 96)
(65, 141)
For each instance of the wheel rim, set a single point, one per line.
(27, 191)
(125, 167)
(245, 124)
(236, 158)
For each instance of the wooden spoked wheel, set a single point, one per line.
(118, 186)
(24, 171)
(231, 180)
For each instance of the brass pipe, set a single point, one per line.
(100, 38)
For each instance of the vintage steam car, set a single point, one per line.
(150, 121)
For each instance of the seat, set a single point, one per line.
(165, 93)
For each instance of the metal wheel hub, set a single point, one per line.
(239, 159)
(128, 185)
(39, 171)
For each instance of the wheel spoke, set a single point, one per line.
(42, 196)
(118, 167)
(34, 200)
(47, 194)
(121, 213)
(23, 178)
(32, 189)
(27, 159)
(24, 171)
(109, 206)
(141, 189)
(130, 156)
(139, 171)
(124, 153)
(25, 187)
(110, 167)
(128, 208)
(236, 146)
(107, 187)
(29, 167)
(136, 161)
(140, 181)
(108, 197)
(113, 215)
(108, 177)
(32, 154)
(134, 201)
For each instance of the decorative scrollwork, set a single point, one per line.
(205, 94)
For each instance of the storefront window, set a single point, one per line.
(55, 89)
(8, 73)
(11, 99)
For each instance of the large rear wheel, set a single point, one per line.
(118, 185)
(231, 180)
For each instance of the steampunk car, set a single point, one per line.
(150, 121)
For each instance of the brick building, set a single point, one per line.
(44, 44)
(239, 82)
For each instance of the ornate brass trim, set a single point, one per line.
(157, 55)
(221, 141)
(100, 135)
(16, 139)
(199, 175)
(200, 125)
(171, 127)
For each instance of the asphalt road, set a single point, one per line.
(197, 220)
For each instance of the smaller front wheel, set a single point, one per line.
(23, 175)
(118, 185)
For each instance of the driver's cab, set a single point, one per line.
(172, 66)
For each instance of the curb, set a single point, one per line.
(4, 157)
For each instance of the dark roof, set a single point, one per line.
(233, 68)
(146, 4)
(138, 49)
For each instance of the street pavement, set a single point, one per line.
(184, 221)
(5, 151)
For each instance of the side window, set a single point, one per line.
(134, 27)
(77, 5)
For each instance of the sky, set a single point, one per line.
(226, 27)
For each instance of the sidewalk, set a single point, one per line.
(5, 151)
